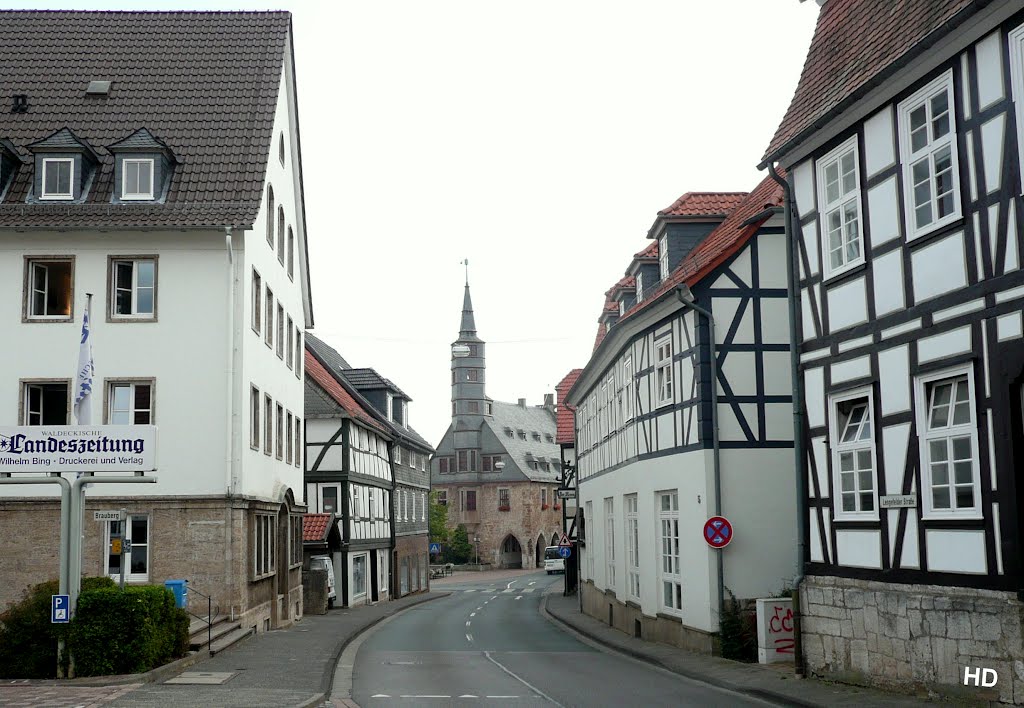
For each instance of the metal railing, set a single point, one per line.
(209, 616)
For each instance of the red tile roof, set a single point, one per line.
(704, 204)
(564, 413)
(315, 527)
(854, 42)
(323, 378)
(610, 306)
(651, 252)
(627, 283)
(727, 239)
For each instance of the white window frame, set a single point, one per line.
(70, 194)
(838, 448)
(130, 196)
(639, 286)
(264, 545)
(663, 256)
(669, 557)
(257, 303)
(826, 208)
(131, 385)
(622, 307)
(909, 158)
(589, 519)
(268, 306)
(1016, 41)
(632, 540)
(33, 286)
(131, 577)
(135, 287)
(337, 498)
(630, 386)
(925, 436)
(255, 404)
(609, 542)
(663, 379)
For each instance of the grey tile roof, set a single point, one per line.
(335, 362)
(206, 84)
(141, 139)
(366, 378)
(318, 403)
(532, 419)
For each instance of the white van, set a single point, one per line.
(325, 562)
(553, 563)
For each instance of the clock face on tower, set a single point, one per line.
(460, 350)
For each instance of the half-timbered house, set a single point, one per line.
(659, 449)
(409, 455)
(902, 144)
(349, 475)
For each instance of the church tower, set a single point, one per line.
(469, 400)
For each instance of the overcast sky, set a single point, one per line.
(536, 139)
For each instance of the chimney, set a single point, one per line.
(522, 403)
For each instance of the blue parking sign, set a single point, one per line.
(60, 606)
(435, 548)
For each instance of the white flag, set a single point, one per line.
(84, 373)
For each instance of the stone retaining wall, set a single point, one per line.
(913, 637)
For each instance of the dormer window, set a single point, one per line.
(622, 307)
(58, 178)
(639, 287)
(64, 167)
(136, 178)
(143, 165)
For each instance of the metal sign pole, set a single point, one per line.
(124, 535)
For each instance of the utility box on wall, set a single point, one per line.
(774, 630)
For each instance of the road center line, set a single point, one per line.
(472, 614)
(521, 680)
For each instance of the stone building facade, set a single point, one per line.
(497, 466)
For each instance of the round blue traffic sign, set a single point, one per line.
(564, 551)
(718, 532)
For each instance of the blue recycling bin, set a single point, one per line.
(180, 590)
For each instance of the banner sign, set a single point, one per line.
(78, 448)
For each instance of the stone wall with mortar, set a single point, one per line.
(917, 638)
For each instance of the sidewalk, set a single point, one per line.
(480, 576)
(287, 667)
(771, 684)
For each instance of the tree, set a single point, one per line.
(438, 521)
(460, 550)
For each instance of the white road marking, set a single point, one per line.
(521, 680)
(469, 637)
(509, 585)
(501, 696)
(495, 597)
(380, 695)
(467, 623)
(480, 608)
(472, 614)
(405, 696)
(533, 582)
(471, 590)
(519, 597)
(469, 695)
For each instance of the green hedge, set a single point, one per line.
(28, 640)
(113, 631)
(127, 632)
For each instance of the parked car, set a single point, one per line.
(553, 562)
(325, 562)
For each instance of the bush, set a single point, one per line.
(28, 640)
(127, 632)
(738, 631)
(459, 549)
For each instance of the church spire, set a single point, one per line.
(468, 327)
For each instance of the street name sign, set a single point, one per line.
(78, 448)
(897, 501)
(59, 609)
(566, 493)
(107, 515)
(718, 532)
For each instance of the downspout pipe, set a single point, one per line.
(686, 298)
(230, 367)
(799, 454)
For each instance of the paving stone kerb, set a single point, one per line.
(750, 679)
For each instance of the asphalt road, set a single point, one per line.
(488, 645)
